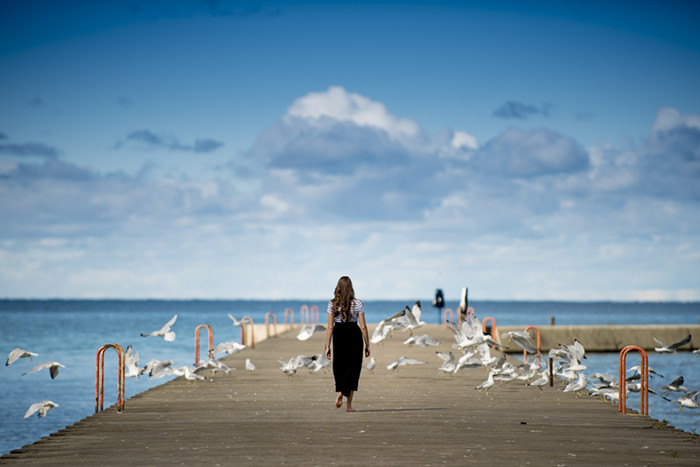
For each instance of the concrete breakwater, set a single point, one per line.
(608, 338)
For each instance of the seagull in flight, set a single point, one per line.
(689, 399)
(421, 341)
(131, 361)
(402, 361)
(676, 385)
(19, 353)
(229, 347)
(385, 327)
(43, 407)
(164, 332)
(309, 330)
(670, 348)
(52, 366)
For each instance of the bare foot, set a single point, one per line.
(350, 410)
(339, 400)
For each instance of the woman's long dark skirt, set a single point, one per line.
(347, 356)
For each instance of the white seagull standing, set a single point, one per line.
(249, 365)
(164, 332)
(19, 353)
(52, 366)
(43, 407)
(487, 384)
(372, 364)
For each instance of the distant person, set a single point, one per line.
(439, 300)
(345, 312)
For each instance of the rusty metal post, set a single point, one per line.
(267, 323)
(210, 332)
(100, 377)
(644, 390)
(245, 321)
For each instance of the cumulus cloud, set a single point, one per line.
(520, 110)
(340, 185)
(153, 140)
(528, 153)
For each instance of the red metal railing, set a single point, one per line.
(210, 332)
(100, 377)
(444, 316)
(287, 312)
(644, 390)
(304, 314)
(538, 344)
(247, 320)
(267, 323)
(468, 315)
(313, 311)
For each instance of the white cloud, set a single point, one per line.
(338, 186)
(342, 106)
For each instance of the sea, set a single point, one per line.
(71, 332)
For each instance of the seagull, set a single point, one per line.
(448, 362)
(164, 332)
(413, 317)
(319, 362)
(131, 361)
(235, 321)
(402, 361)
(670, 348)
(372, 364)
(638, 370)
(213, 365)
(309, 330)
(541, 380)
(52, 366)
(522, 339)
(19, 353)
(43, 407)
(689, 399)
(578, 385)
(188, 372)
(487, 384)
(421, 341)
(385, 327)
(249, 365)
(675, 385)
(228, 347)
(157, 368)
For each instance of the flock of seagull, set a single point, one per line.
(471, 344)
(474, 350)
(154, 369)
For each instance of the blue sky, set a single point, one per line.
(220, 149)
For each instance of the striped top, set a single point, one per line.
(356, 308)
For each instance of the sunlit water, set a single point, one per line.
(71, 331)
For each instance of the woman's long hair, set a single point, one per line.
(342, 298)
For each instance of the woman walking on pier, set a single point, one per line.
(345, 312)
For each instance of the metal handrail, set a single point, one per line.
(313, 312)
(100, 377)
(267, 323)
(644, 390)
(210, 332)
(244, 321)
(287, 312)
(444, 316)
(304, 314)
